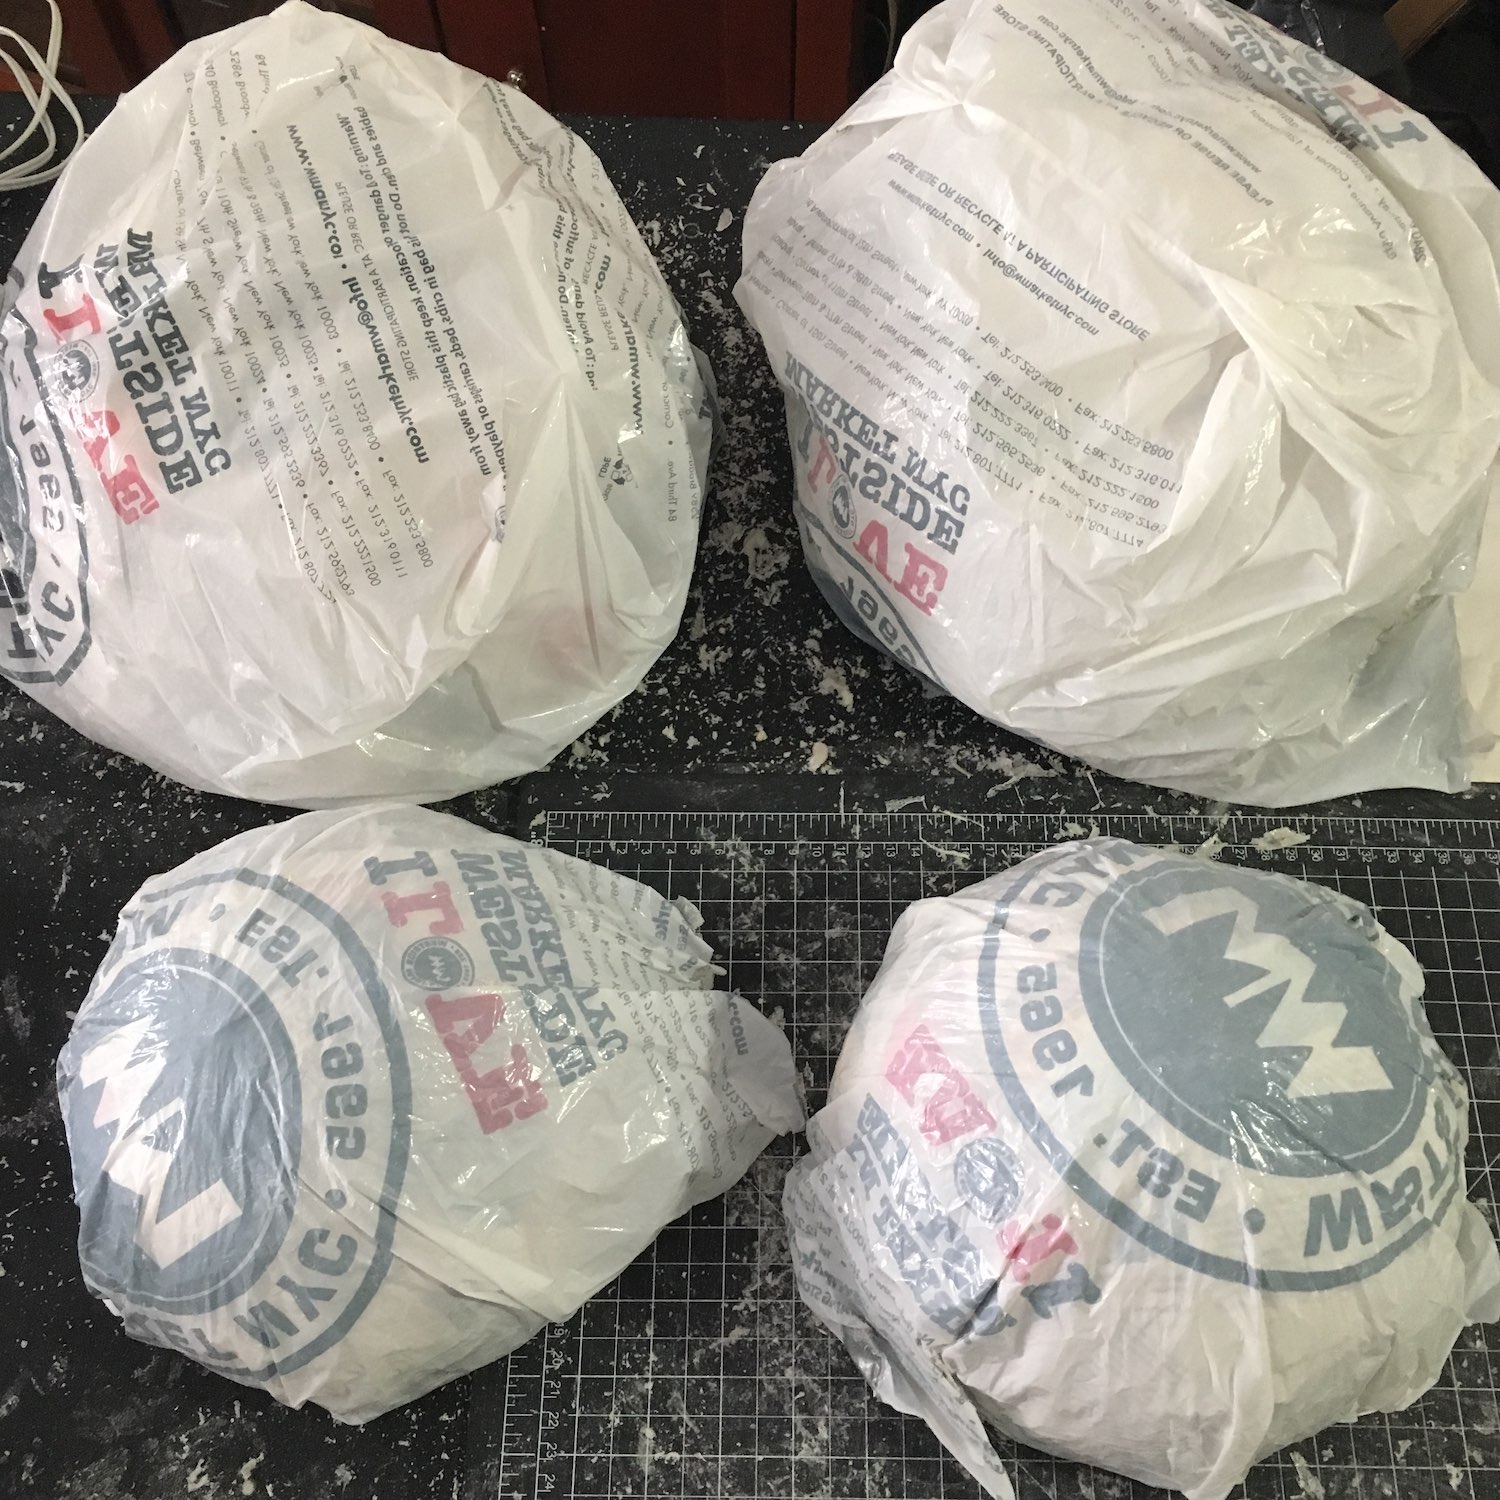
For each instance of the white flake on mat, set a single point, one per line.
(1489, 1424)
(741, 858)
(763, 557)
(836, 685)
(1311, 1487)
(1005, 763)
(1210, 847)
(1402, 1449)
(726, 219)
(960, 857)
(818, 756)
(725, 537)
(768, 1285)
(1078, 831)
(711, 658)
(895, 804)
(760, 733)
(247, 1473)
(588, 749)
(1455, 1477)
(13, 1008)
(646, 1446)
(344, 1474)
(12, 786)
(1278, 838)
(812, 1438)
(198, 1477)
(669, 732)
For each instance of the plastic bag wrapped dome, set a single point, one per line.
(358, 1102)
(1142, 370)
(351, 444)
(1146, 1161)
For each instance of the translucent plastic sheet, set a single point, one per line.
(351, 444)
(1141, 366)
(360, 1101)
(1152, 1163)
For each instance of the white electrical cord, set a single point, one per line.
(39, 167)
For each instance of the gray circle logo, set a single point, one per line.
(1229, 1065)
(841, 508)
(73, 372)
(989, 1174)
(239, 1117)
(1259, 1019)
(184, 1123)
(437, 963)
(42, 528)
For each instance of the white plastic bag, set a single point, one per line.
(1141, 367)
(351, 443)
(358, 1102)
(1149, 1162)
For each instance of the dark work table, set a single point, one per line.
(762, 687)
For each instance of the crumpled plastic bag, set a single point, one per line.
(358, 1102)
(1142, 369)
(351, 444)
(1146, 1161)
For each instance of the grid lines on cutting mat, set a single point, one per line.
(698, 1374)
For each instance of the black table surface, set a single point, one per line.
(760, 680)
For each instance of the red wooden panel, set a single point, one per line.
(757, 60)
(497, 37)
(94, 48)
(669, 57)
(412, 21)
(823, 70)
(150, 34)
(115, 43)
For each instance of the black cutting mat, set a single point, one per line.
(699, 1374)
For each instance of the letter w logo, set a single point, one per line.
(137, 1165)
(1309, 1025)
